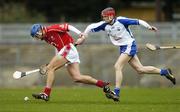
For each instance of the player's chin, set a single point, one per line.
(108, 21)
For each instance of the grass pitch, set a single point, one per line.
(92, 100)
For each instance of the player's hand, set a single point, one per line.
(43, 69)
(83, 35)
(153, 28)
(81, 39)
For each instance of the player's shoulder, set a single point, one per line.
(125, 18)
(121, 17)
(52, 26)
(62, 26)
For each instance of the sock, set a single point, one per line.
(47, 90)
(117, 91)
(100, 83)
(164, 72)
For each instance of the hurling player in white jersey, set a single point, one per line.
(117, 28)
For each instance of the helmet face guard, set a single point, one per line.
(108, 12)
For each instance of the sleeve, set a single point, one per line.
(75, 30)
(128, 21)
(95, 27)
(59, 27)
(145, 24)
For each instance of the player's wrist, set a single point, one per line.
(82, 35)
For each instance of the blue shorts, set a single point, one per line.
(130, 49)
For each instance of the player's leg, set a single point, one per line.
(56, 62)
(126, 53)
(122, 60)
(74, 72)
(136, 64)
(73, 69)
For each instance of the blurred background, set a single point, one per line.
(20, 52)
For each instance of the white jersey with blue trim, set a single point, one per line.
(119, 31)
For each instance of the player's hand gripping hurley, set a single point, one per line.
(20, 74)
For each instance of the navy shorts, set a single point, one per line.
(130, 49)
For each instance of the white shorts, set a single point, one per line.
(130, 49)
(70, 53)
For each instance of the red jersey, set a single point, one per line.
(57, 35)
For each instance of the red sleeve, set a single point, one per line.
(59, 27)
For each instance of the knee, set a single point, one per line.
(117, 66)
(50, 70)
(140, 70)
(77, 79)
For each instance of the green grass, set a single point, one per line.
(92, 100)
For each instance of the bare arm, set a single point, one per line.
(81, 38)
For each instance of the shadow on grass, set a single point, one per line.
(108, 102)
(70, 102)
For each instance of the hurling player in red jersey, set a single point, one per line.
(57, 35)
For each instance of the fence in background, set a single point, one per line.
(169, 33)
(20, 52)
